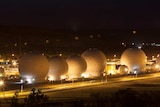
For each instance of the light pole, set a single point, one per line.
(82, 79)
(104, 76)
(21, 87)
(63, 78)
(135, 72)
(2, 87)
(72, 80)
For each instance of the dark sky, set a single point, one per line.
(81, 14)
(114, 20)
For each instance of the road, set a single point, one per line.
(51, 89)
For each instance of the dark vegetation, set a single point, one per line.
(35, 98)
(122, 98)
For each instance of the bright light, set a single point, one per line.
(84, 75)
(76, 38)
(51, 78)
(134, 32)
(47, 41)
(124, 44)
(29, 80)
(60, 54)
(157, 66)
(126, 69)
(110, 72)
(15, 44)
(135, 72)
(14, 63)
(25, 43)
(12, 54)
(1, 83)
(33, 79)
(63, 77)
(104, 74)
(21, 81)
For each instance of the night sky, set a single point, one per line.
(114, 20)
(81, 14)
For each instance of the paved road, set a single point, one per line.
(50, 89)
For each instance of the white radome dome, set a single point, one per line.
(96, 62)
(58, 68)
(135, 59)
(33, 68)
(76, 66)
(123, 69)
